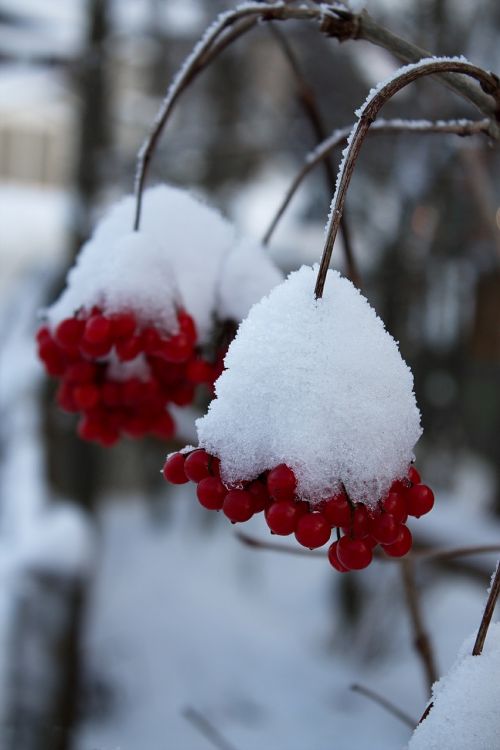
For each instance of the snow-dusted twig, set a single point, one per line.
(367, 114)
(384, 703)
(321, 153)
(207, 729)
(421, 639)
(488, 613)
(311, 109)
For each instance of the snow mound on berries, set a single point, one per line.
(319, 385)
(127, 272)
(465, 713)
(193, 244)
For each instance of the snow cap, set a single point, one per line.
(319, 385)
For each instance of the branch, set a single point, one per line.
(207, 729)
(381, 701)
(367, 115)
(288, 549)
(339, 137)
(488, 613)
(421, 638)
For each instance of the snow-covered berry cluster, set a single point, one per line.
(359, 528)
(88, 351)
(137, 329)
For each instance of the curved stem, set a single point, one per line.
(488, 613)
(367, 115)
(339, 137)
(203, 53)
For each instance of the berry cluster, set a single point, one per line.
(359, 528)
(87, 351)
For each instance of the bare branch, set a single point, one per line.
(287, 549)
(488, 613)
(368, 114)
(454, 552)
(388, 705)
(421, 639)
(207, 729)
(339, 137)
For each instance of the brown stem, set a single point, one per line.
(311, 109)
(421, 641)
(369, 111)
(488, 613)
(339, 137)
(251, 541)
(207, 729)
(388, 705)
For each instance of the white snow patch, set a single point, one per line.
(465, 713)
(319, 385)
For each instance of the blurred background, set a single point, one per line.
(129, 617)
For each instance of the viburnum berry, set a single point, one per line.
(281, 483)
(334, 558)
(260, 495)
(69, 332)
(395, 504)
(313, 530)
(173, 469)
(123, 325)
(337, 510)
(413, 475)
(354, 554)
(238, 506)
(385, 528)
(401, 546)
(97, 330)
(197, 465)
(211, 493)
(420, 500)
(282, 517)
(359, 524)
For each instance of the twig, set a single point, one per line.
(368, 114)
(339, 137)
(312, 112)
(251, 541)
(453, 552)
(421, 639)
(381, 701)
(488, 613)
(207, 729)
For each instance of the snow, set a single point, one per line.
(177, 258)
(465, 712)
(319, 385)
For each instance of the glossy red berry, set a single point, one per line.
(177, 349)
(200, 371)
(97, 329)
(334, 558)
(260, 495)
(313, 530)
(197, 466)
(359, 525)
(123, 325)
(128, 349)
(282, 517)
(163, 426)
(187, 325)
(413, 475)
(86, 396)
(385, 528)
(395, 504)
(211, 493)
(281, 483)
(173, 469)
(354, 554)
(238, 506)
(420, 500)
(401, 546)
(69, 333)
(337, 510)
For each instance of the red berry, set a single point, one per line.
(86, 396)
(313, 530)
(337, 510)
(282, 517)
(151, 340)
(395, 504)
(128, 349)
(281, 483)
(214, 466)
(43, 334)
(163, 426)
(187, 325)
(211, 493)
(69, 332)
(94, 350)
(111, 394)
(97, 330)
(200, 371)
(420, 500)
(401, 546)
(385, 528)
(173, 469)
(65, 398)
(399, 485)
(197, 466)
(178, 348)
(334, 558)
(238, 506)
(359, 525)
(354, 554)
(81, 372)
(52, 357)
(123, 325)
(259, 494)
(183, 394)
(413, 475)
